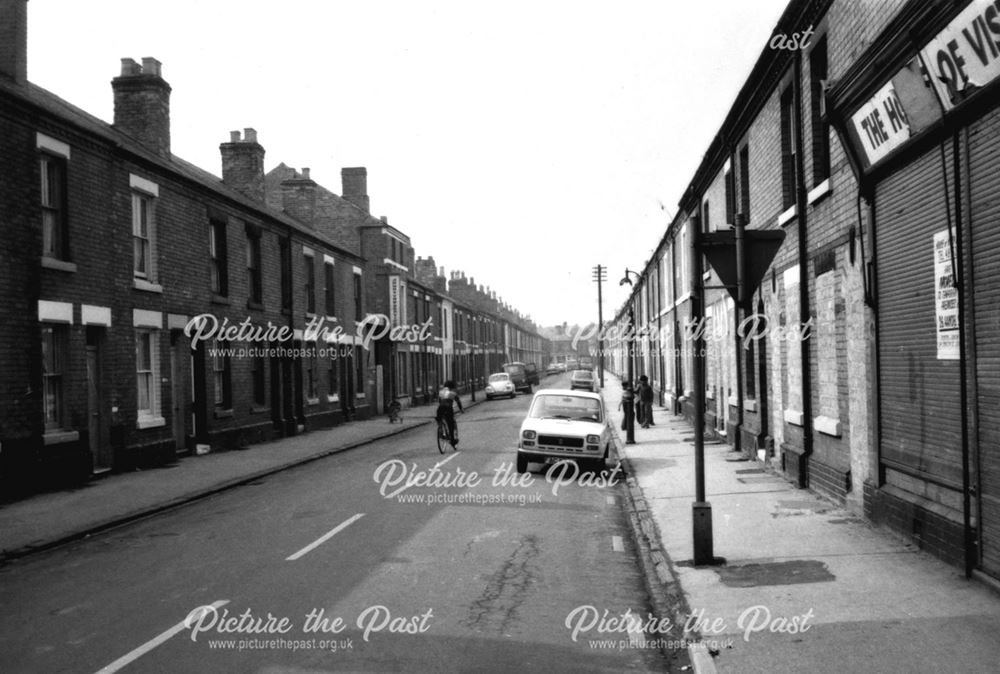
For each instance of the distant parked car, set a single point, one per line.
(564, 424)
(583, 379)
(499, 384)
(561, 367)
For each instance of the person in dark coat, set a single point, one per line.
(645, 402)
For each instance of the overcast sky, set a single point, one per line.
(520, 142)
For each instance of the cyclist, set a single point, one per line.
(447, 398)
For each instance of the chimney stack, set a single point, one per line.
(14, 40)
(142, 104)
(298, 197)
(243, 164)
(355, 186)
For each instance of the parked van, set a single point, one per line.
(531, 371)
(519, 375)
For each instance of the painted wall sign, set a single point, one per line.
(881, 124)
(965, 56)
(395, 295)
(945, 299)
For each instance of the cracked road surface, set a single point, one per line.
(322, 568)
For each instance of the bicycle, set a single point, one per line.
(394, 412)
(444, 437)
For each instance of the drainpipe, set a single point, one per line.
(968, 489)
(801, 207)
(741, 298)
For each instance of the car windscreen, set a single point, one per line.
(576, 408)
(499, 377)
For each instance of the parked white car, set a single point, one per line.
(564, 424)
(499, 384)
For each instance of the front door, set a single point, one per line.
(100, 449)
(178, 391)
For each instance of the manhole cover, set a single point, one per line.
(793, 572)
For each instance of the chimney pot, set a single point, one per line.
(130, 67)
(150, 66)
(250, 135)
(234, 136)
(305, 174)
(385, 220)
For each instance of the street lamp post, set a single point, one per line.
(600, 275)
(628, 396)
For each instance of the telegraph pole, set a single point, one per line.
(600, 275)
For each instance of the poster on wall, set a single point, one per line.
(945, 299)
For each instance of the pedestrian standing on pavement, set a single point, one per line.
(645, 402)
(626, 402)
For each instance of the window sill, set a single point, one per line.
(819, 192)
(793, 417)
(827, 426)
(58, 265)
(150, 422)
(312, 401)
(251, 304)
(59, 437)
(788, 215)
(259, 409)
(147, 286)
(359, 396)
(750, 405)
(220, 299)
(333, 399)
(733, 401)
(224, 413)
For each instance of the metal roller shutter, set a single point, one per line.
(919, 394)
(984, 193)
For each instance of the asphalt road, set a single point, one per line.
(338, 565)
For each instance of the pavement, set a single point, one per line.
(805, 585)
(50, 519)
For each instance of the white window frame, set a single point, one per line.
(144, 192)
(150, 416)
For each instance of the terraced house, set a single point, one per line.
(124, 264)
(875, 149)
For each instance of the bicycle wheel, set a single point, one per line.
(442, 435)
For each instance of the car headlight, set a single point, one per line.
(593, 439)
(489, 389)
(529, 435)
